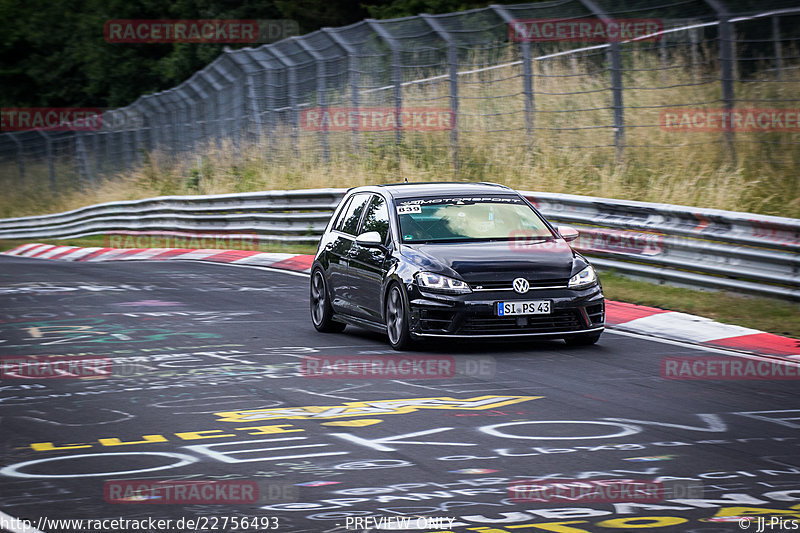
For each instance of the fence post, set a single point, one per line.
(292, 94)
(212, 106)
(84, 168)
(397, 76)
(727, 58)
(527, 71)
(50, 163)
(199, 112)
(125, 135)
(234, 77)
(20, 155)
(452, 64)
(134, 117)
(223, 118)
(352, 65)
(98, 158)
(319, 61)
(776, 39)
(694, 52)
(251, 67)
(152, 135)
(266, 62)
(615, 53)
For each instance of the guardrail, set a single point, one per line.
(708, 248)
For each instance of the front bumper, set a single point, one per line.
(573, 312)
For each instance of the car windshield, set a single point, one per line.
(468, 219)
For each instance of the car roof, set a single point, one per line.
(408, 190)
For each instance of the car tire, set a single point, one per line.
(321, 310)
(587, 339)
(396, 313)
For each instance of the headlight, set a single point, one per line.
(438, 283)
(583, 279)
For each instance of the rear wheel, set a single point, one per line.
(397, 319)
(321, 310)
(587, 339)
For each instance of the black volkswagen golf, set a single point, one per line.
(459, 260)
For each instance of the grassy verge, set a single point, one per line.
(570, 151)
(766, 314)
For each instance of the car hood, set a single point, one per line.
(496, 261)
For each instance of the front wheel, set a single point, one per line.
(321, 310)
(586, 339)
(397, 319)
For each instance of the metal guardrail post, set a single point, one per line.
(397, 75)
(20, 155)
(353, 68)
(291, 70)
(527, 72)
(615, 53)
(727, 60)
(452, 65)
(319, 61)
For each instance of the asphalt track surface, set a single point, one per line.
(188, 341)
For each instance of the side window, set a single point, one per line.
(349, 222)
(340, 221)
(376, 218)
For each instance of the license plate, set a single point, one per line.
(535, 307)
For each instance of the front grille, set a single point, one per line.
(534, 283)
(559, 320)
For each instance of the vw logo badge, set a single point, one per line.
(521, 285)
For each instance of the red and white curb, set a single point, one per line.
(698, 330)
(619, 315)
(299, 263)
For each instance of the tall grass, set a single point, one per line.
(570, 150)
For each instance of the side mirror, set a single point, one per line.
(568, 233)
(370, 239)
